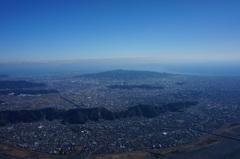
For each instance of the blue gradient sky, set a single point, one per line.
(169, 30)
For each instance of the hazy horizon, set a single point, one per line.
(208, 68)
(190, 37)
(171, 31)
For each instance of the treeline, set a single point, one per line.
(81, 116)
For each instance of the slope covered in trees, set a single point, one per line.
(81, 116)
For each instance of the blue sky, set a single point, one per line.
(170, 30)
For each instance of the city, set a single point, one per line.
(217, 104)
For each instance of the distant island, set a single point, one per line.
(126, 74)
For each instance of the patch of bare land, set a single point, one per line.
(9, 149)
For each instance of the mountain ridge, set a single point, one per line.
(81, 116)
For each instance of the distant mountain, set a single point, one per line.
(126, 74)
